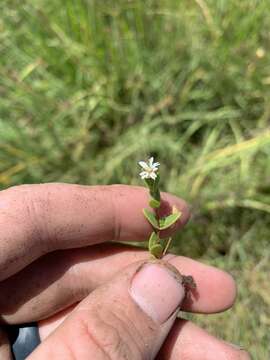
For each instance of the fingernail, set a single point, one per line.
(158, 291)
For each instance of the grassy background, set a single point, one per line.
(88, 88)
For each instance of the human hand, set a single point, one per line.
(101, 301)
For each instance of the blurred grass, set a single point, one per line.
(87, 88)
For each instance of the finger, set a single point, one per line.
(215, 289)
(185, 341)
(62, 278)
(126, 318)
(5, 351)
(188, 341)
(37, 219)
(47, 326)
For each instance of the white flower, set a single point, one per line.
(149, 169)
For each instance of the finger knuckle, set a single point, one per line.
(36, 207)
(116, 219)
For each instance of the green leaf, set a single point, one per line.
(153, 240)
(151, 218)
(168, 221)
(154, 246)
(155, 204)
(156, 251)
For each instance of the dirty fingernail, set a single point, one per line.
(157, 290)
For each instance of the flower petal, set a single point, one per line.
(153, 175)
(143, 164)
(143, 174)
(156, 164)
(151, 161)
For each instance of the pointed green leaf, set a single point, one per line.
(166, 247)
(153, 240)
(151, 218)
(168, 221)
(157, 251)
(155, 204)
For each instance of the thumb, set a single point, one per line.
(126, 318)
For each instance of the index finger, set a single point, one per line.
(37, 219)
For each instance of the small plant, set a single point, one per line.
(157, 246)
(150, 174)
